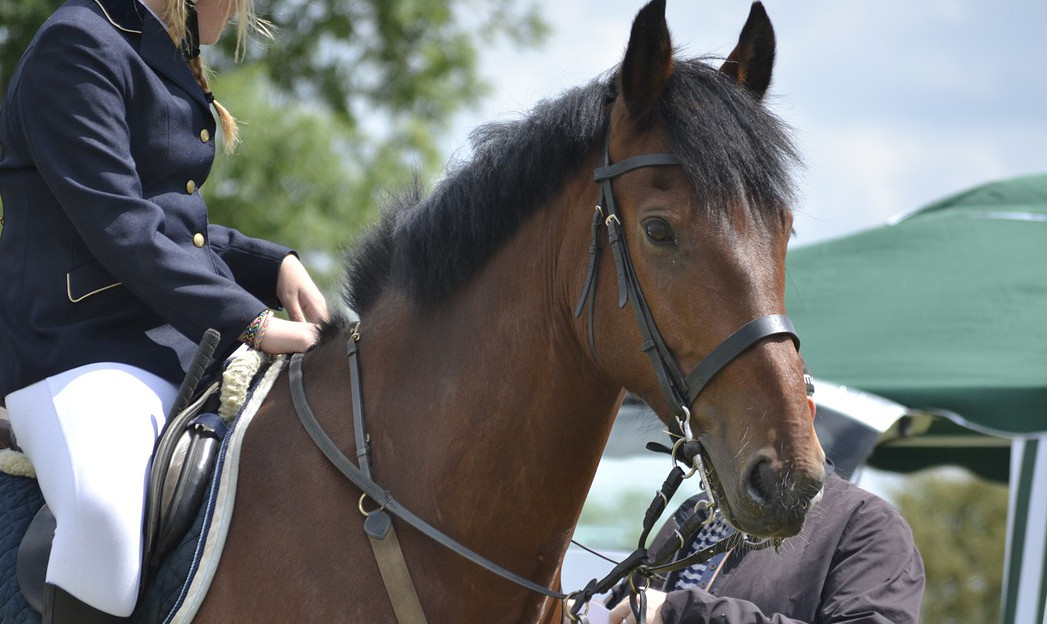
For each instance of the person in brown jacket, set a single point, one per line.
(854, 562)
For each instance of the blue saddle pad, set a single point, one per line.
(20, 499)
(168, 586)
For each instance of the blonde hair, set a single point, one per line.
(174, 15)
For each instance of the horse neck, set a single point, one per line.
(489, 403)
(501, 358)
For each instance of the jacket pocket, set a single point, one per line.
(87, 280)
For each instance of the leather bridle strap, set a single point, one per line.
(382, 498)
(679, 391)
(610, 172)
(749, 334)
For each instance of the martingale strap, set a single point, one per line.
(378, 526)
(382, 498)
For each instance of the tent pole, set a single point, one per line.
(1025, 567)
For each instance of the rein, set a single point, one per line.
(378, 525)
(679, 390)
(360, 477)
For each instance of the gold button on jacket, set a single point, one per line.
(190, 186)
(198, 239)
(205, 136)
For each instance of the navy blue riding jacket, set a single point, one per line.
(106, 253)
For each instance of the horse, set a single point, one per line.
(489, 393)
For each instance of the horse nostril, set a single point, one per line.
(761, 482)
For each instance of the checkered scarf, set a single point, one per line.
(710, 534)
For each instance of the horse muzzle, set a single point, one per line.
(768, 498)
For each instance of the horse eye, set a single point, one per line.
(659, 231)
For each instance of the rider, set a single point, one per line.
(111, 272)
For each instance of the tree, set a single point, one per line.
(19, 20)
(301, 176)
(404, 60)
(346, 103)
(404, 67)
(293, 178)
(959, 524)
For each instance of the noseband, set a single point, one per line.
(680, 391)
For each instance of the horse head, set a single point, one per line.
(705, 223)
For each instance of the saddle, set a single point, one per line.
(180, 478)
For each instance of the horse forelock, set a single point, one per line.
(734, 151)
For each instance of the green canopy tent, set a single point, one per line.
(945, 310)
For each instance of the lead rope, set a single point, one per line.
(640, 564)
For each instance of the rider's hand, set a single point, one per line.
(622, 614)
(300, 297)
(283, 336)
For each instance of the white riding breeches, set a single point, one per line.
(89, 433)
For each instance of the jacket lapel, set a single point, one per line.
(155, 45)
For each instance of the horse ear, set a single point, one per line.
(648, 62)
(751, 60)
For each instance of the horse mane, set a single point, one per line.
(734, 151)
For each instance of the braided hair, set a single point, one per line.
(180, 18)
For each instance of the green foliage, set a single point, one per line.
(960, 525)
(394, 72)
(345, 104)
(19, 20)
(613, 522)
(293, 178)
(416, 56)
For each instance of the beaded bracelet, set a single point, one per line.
(252, 336)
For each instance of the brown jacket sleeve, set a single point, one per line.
(854, 561)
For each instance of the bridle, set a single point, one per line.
(679, 390)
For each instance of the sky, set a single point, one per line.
(893, 103)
